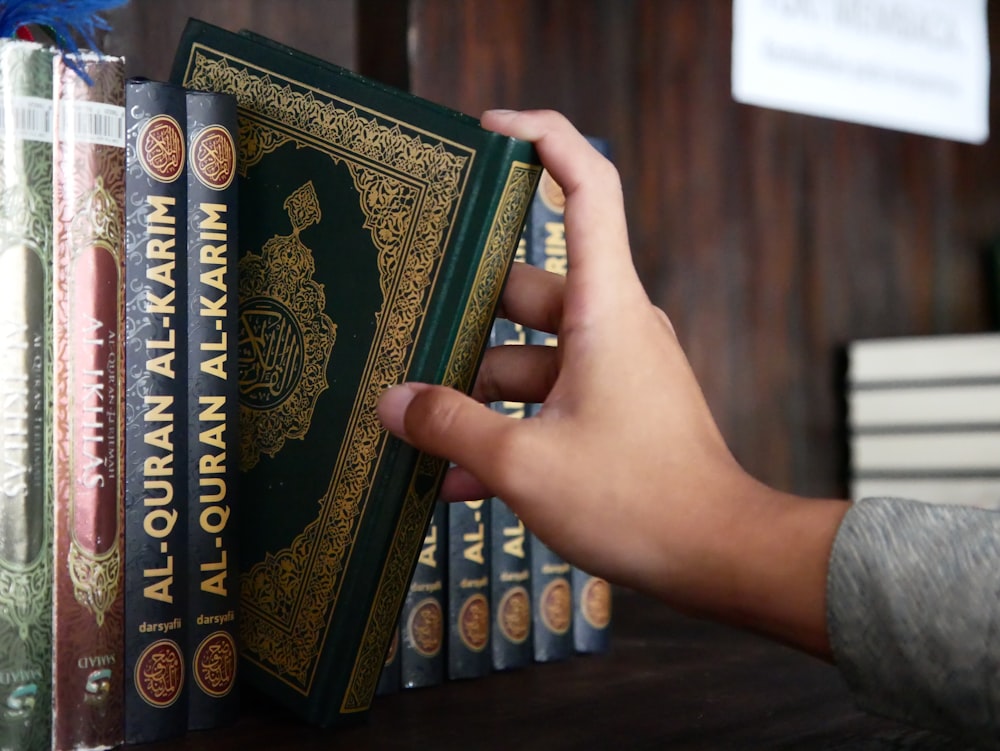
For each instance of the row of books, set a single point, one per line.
(924, 418)
(194, 467)
(117, 304)
(487, 594)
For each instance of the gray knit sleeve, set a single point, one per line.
(913, 613)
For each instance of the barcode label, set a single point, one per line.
(92, 122)
(30, 118)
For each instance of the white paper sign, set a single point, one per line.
(914, 65)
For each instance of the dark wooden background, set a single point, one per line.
(771, 239)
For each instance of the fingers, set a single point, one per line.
(596, 233)
(446, 423)
(461, 485)
(533, 297)
(516, 373)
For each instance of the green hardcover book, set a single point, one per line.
(25, 312)
(376, 232)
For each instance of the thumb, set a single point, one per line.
(446, 423)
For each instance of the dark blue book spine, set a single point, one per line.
(592, 601)
(213, 415)
(155, 438)
(591, 613)
(469, 627)
(551, 588)
(510, 573)
(425, 610)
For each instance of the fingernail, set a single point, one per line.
(392, 406)
(500, 112)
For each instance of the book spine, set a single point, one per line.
(510, 573)
(499, 226)
(88, 323)
(551, 588)
(155, 412)
(389, 681)
(592, 602)
(25, 358)
(422, 648)
(469, 654)
(591, 612)
(213, 422)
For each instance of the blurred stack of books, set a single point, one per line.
(924, 418)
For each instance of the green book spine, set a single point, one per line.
(213, 409)
(469, 628)
(25, 361)
(551, 588)
(376, 232)
(510, 570)
(155, 415)
(422, 623)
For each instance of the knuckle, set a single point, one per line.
(431, 414)
(505, 446)
(609, 174)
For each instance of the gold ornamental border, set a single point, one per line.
(477, 319)
(289, 599)
(97, 575)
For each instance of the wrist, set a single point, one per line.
(759, 562)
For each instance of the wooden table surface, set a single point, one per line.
(670, 682)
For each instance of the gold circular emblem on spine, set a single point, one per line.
(425, 627)
(159, 673)
(160, 148)
(551, 193)
(556, 606)
(213, 157)
(215, 664)
(595, 602)
(474, 622)
(514, 615)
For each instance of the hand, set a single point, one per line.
(623, 471)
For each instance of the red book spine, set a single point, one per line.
(88, 198)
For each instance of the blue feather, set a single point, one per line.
(66, 20)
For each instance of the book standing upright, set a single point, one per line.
(469, 654)
(551, 588)
(592, 595)
(25, 362)
(213, 408)
(424, 617)
(155, 414)
(376, 232)
(510, 572)
(89, 228)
